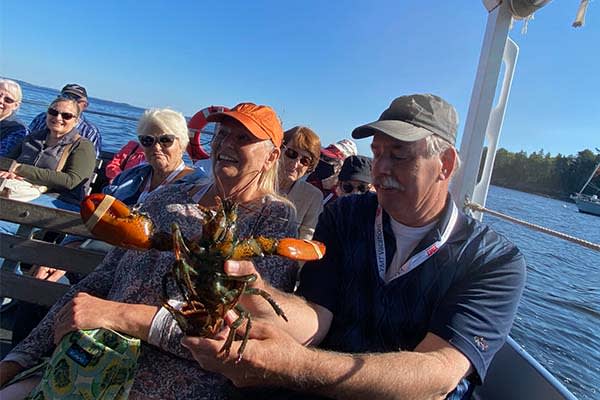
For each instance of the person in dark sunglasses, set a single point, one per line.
(86, 129)
(12, 131)
(355, 176)
(56, 157)
(301, 150)
(50, 167)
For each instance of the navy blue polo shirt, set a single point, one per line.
(467, 293)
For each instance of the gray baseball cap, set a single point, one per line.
(411, 118)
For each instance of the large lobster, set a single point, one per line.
(197, 274)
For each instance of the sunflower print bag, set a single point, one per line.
(90, 364)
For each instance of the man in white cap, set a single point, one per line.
(412, 299)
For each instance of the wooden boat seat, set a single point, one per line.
(23, 247)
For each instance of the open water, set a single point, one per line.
(559, 316)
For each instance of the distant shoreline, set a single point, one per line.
(522, 188)
(57, 91)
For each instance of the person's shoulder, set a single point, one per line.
(275, 203)
(309, 191)
(487, 243)
(87, 125)
(310, 188)
(353, 210)
(140, 169)
(13, 122)
(40, 116)
(356, 202)
(85, 143)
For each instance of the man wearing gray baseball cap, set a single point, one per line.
(412, 299)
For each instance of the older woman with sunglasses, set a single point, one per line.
(12, 131)
(301, 151)
(163, 137)
(56, 157)
(124, 292)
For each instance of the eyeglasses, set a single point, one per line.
(165, 140)
(293, 154)
(7, 100)
(65, 115)
(348, 188)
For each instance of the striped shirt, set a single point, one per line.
(86, 129)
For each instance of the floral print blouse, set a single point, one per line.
(168, 371)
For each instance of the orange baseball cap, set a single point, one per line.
(260, 120)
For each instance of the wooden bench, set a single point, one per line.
(23, 247)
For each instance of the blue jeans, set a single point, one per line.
(44, 200)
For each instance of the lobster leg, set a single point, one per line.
(243, 315)
(265, 295)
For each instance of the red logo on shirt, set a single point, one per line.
(432, 250)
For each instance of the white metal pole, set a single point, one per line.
(480, 107)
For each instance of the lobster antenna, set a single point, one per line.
(240, 190)
(254, 210)
(258, 220)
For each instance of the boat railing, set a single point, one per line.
(26, 247)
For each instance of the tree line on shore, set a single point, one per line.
(555, 176)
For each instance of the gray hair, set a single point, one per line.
(13, 87)
(437, 145)
(169, 121)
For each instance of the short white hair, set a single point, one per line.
(437, 145)
(13, 87)
(169, 121)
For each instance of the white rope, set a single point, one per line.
(564, 236)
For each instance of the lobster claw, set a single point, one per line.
(112, 221)
(300, 249)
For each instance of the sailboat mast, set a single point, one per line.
(589, 179)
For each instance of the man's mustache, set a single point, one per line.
(387, 182)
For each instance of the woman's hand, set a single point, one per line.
(84, 311)
(10, 175)
(8, 370)
(272, 357)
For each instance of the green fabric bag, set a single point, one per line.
(90, 364)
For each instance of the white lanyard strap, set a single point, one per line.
(166, 181)
(418, 258)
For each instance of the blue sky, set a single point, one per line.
(329, 65)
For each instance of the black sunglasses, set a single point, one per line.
(165, 140)
(348, 188)
(293, 154)
(65, 115)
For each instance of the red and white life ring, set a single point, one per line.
(195, 125)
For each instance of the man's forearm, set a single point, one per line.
(306, 322)
(402, 375)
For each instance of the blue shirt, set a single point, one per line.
(86, 129)
(467, 293)
(12, 132)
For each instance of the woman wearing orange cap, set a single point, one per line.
(124, 292)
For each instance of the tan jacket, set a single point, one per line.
(308, 201)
